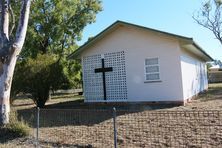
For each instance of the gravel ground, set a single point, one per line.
(139, 129)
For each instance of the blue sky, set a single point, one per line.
(174, 16)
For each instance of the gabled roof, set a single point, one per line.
(187, 42)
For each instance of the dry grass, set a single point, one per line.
(71, 128)
(210, 100)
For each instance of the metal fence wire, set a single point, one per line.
(129, 129)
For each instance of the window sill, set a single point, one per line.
(152, 81)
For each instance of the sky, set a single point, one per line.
(173, 16)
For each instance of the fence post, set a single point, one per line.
(114, 127)
(37, 128)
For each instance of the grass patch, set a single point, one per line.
(14, 129)
(18, 128)
(214, 92)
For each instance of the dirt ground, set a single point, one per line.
(163, 126)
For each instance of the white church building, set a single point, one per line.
(131, 63)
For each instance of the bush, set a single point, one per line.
(37, 77)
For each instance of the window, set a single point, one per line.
(152, 72)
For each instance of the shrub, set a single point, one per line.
(37, 77)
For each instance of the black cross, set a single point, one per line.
(104, 70)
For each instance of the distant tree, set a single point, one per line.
(218, 62)
(209, 16)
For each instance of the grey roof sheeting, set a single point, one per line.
(119, 23)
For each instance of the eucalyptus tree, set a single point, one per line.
(11, 43)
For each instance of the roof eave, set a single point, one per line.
(191, 46)
(204, 52)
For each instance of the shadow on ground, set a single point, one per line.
(7, 135)
(79, 113)
(58, 144)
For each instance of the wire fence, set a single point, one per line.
(126, 128)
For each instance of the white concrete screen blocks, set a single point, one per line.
(115, 80)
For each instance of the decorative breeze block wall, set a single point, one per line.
(116, 87)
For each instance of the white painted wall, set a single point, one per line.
(194, 74)
(139, 45)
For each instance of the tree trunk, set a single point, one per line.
(9, 51)
(5, 88)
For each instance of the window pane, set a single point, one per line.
(151, 69)
(152, 61)
(152, 76)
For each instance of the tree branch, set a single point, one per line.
(5, 20)
(210, 17)
(4, 36)
(22, 25)
(63, 44)
(13, 20)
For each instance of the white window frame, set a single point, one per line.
(147, 73)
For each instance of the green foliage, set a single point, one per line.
(55, 25)
(54, 28)
(72, 73)
(38, 76)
